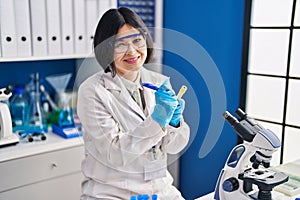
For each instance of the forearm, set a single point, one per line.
(176, 139)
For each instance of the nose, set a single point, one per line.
(131, 48)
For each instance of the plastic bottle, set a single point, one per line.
(19, 109)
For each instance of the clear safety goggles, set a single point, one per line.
(121, 45)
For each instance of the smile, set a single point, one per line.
(132, 60)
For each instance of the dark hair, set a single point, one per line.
(107, 28)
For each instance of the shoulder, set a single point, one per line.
(91, 82)
(153, 76)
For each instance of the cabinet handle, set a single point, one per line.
(54, 165)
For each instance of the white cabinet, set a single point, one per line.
(42, 170)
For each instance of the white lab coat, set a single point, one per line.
(120, 159)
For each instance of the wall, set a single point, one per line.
(218, 27)
(13, 73)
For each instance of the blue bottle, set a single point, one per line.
(19, 109)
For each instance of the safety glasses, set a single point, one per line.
(121, 45)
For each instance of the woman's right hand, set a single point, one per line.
(166, 103)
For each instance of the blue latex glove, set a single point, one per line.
(166, 103)
(177, 113)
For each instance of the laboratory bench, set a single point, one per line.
(49, 169)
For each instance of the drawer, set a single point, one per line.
(36, 168)
(61, 188)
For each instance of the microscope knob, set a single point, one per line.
(230, 184)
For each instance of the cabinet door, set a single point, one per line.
(41, 167)
(61, 188)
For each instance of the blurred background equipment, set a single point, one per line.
(62, 118)
(35, 122)
(19, 108)
(6, 135)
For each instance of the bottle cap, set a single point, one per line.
(133, 198)
(154, 196)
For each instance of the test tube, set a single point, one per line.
(182, 91)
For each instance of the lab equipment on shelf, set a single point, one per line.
(247, 164)
(62, 118)
(19, 108)
(6, 134)
(63, 122)
(37, 126)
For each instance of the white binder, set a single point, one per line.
(38, 27)
(79, 30)
(67, 36)
(23, 31)
(103, 6)
(8, 29)
(113, 3)
(92, 18)
(53, 27)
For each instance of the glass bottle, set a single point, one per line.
(36, 117)
(19, 109)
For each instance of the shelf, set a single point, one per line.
(54, 57)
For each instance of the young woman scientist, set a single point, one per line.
(127, 137)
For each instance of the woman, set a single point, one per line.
(127, 137)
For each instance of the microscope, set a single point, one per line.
(245, 174)
(6, 135)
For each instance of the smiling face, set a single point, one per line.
(130, 52)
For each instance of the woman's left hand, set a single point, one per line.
(175, 120)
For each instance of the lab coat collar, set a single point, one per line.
(119, 90)
(111, 83)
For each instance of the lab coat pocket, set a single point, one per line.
(155, 169)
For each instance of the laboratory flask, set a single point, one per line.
(36, 117)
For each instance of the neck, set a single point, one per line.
(131, 76)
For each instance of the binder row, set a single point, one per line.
(42, 28)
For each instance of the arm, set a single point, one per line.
(176, 138)
(103, 130)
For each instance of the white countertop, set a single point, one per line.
(25, 148)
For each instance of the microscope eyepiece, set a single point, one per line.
(230, 119)
(241, 114)
(241, 128)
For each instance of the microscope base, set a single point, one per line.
(9, 140)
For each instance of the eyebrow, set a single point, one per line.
(125, 37)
